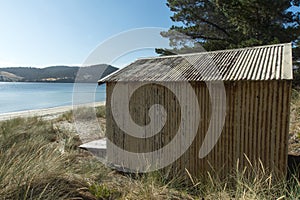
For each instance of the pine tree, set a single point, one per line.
(224, 24)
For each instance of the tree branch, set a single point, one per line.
(196, 35)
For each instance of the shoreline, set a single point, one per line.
(44, 112)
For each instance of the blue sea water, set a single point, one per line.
(19, 96)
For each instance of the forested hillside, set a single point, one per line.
(56, 73)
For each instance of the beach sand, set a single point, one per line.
(86, 129)
(45, 113)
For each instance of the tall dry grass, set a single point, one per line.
(40, 161)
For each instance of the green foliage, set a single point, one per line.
(220, 24)
(100, 111)
(296, 53)
(101, 191)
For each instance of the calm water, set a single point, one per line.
(27, 96)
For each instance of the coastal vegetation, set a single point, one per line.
(220, 24)
(40, 160)
(62, 74)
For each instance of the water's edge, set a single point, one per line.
(46, 111)
(19, 96)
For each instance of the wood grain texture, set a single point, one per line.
(256, 125)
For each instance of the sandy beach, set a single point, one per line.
(47, 112)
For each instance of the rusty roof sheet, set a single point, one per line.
(272, 62)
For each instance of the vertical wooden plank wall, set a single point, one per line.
(256, 125)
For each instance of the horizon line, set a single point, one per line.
(52, 65)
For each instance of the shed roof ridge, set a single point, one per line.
(212, 52)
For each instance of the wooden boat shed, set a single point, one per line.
(257, 83)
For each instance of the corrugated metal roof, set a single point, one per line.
(272, 62)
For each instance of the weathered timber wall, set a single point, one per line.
(256, 125)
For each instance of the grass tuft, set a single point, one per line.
(38, 160)
(83, 113)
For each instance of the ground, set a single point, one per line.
(40, 159)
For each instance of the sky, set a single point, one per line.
(40, 33)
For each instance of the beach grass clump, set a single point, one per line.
(38, 161)
(66, 116)
(101, 191)
(155, 185)
(100, 111)
(83, 113)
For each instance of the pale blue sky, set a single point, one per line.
(52, 32)
(40, 33)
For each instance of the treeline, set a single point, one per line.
(56, 73)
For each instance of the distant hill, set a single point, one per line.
(61, 74)
(8, 77)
